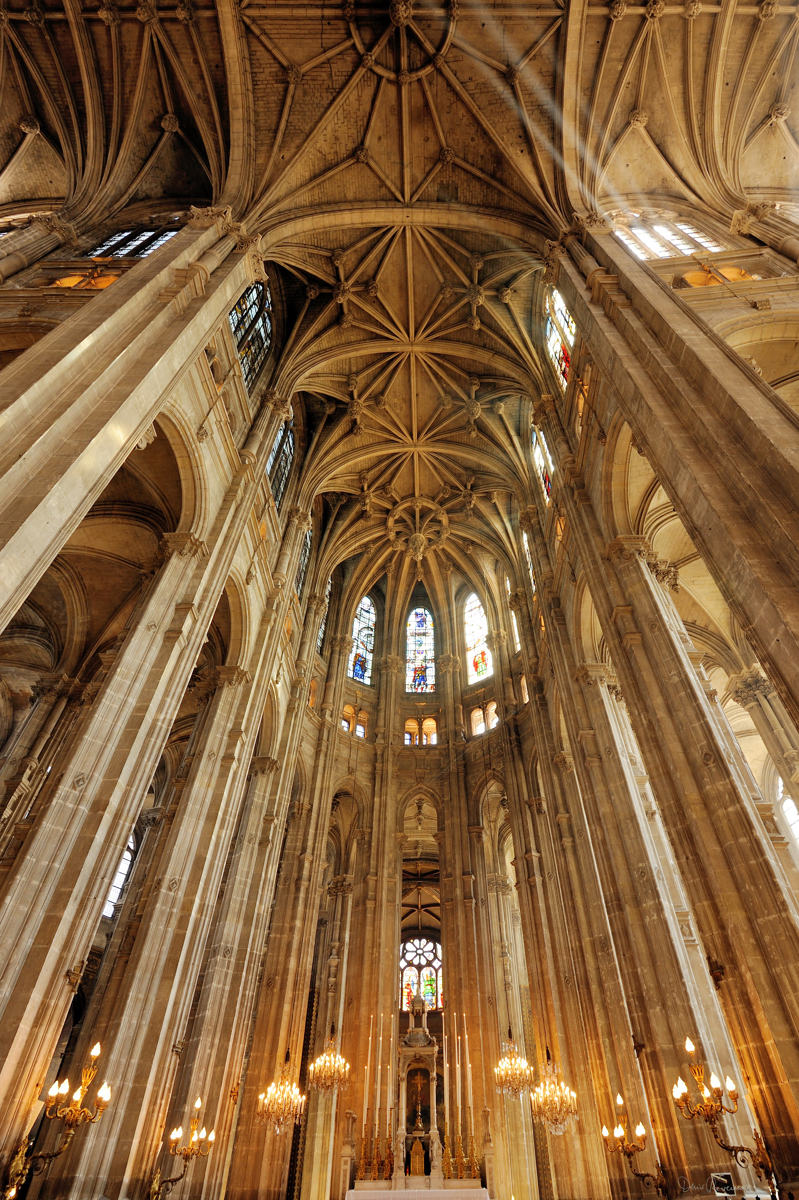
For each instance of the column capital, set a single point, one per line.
(591, 674)
(746, 687)
(496, 638)
(392, 664)
(448, 662)
(187, 545)
(628, 546)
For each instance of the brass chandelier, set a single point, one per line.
(329, 1071)
(512, 1072)
(554, 1103)
(282, 1104)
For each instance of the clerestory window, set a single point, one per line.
(420, 972)
(363, 642)
(278, 465)
(420, 662)
(251, 325)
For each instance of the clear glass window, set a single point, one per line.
(123, 870)
(363, 636)
(479, 663)
(478, 722)
(420, 663)
(411, 732)
(543, 462)
(320, 637)
(429, 731)
(305, 554)
(278, 466)
(529, 558)
(251, 325)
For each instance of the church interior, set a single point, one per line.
(399, 581)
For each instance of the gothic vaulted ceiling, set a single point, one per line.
(404, 162)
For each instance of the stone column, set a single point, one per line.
(53, 899)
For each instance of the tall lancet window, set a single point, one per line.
(420, 664)
(560, 332)
(479, 664)
(305, 554)
(320, 637)
(278, 465)
(251, 325)
(363, 639)
(529, 558)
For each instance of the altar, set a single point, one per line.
(415, 1189)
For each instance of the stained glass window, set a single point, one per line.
(363, 636)
(278, 466)
(320, 637)
(542, 461)
(559, 333)
(529, 558)
(305, 554)
(420, 969)
(251, 324)
(479, 664)
(420, 665)
(123, 870)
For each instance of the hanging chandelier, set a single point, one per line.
(282, 1104)
(554, 1103)
(329, 1071)
(513, 1072)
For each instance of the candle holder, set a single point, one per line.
(199, 1145)
(388, 1161)
(460, 1161)
(361, 1174)
(446, 1160)
(711, 1109)
(376, 1162)
(630, 1149)
(73, 1114)
(474, 1165)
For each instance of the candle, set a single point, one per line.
(366, 1086)
(468, 1065)
(390, 1078)
(446, 1086)
(379, 1074)
(458, 1083)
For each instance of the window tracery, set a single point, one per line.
(421, 971)
(302, 566)
(421, 732)
(662, 235)
(420, 662)
(120, 879)
(251, 325)
(479, 663)
(320, 637)
(529, 558)
(543, 462)
(278, 465)
(559, 334)
(363, 636)
(131, 243)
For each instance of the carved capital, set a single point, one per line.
(231, 676)
(184, 544)
(392, 664)
(341, 642)
(340, 886)
(591, 674)
(448, 662)
(497, 638)
(750, 684)
(564, 761)
(628, 547)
